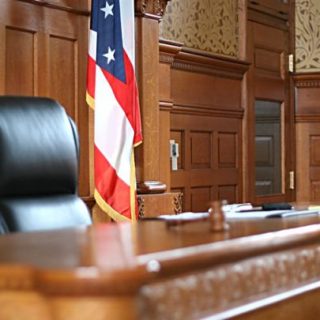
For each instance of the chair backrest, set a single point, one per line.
(38, 166)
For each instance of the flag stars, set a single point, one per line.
(107, 10)
(110, 55)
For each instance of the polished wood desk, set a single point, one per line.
(257, 270)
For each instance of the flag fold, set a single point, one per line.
(112, 92)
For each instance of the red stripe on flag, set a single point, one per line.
(127, 96)
(112, 189)
(91, 76)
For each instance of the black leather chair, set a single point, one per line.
(39, 151)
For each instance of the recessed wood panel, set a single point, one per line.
(269, 37)
(20, 71)
(269, 87)
(201, 89)
(227, 192)
(41, 44)
(267, 60)
(264, 153)
(206, 167)
(201, 149)
(227, 150)
(315, 190)
(200, 199)
(315, 150)
(63, 86)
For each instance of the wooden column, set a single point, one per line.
(151, 169)
(148, 14)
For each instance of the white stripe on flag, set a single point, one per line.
(113, 131)
(127, 25)
(93, 44)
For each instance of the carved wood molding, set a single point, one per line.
(307, 118)
(230, 284)
(150, 7)
(166, 105)
(168, 50)
(202, 62)
(141, 207)
(78, 9)
(307, 80)
(200, 110)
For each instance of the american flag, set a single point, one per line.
(112, 92)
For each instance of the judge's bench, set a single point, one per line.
(258, 269)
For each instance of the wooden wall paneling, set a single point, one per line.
(43, 52)
(210, 162)
(307, 137)
(2, 56)
(167, 51)
(63, 87)
(248, 143)
(206, 119)
(164, 155)
(84, 114)
(153, 77)
(20, 60)
(147, 54)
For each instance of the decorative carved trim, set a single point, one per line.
(177, 203)
(141, 207)
(311, 80)
(232, 284)
(201, 110)
(202, 62)
(168, 50)
(150, 7)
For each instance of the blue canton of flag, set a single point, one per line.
(106, 22)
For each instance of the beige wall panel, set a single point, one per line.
(201, 24)
(307, 39)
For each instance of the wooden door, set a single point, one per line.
(270, 146)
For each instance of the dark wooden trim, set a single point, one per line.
(203, 62)
(165, 105)
(168, 50)
(200, 110)
(47, 3)
(277, 16)
(89, 201)
(307, 118)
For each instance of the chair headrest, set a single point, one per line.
(38, 152)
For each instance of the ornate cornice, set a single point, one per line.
(150, 7)
(307, 80)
